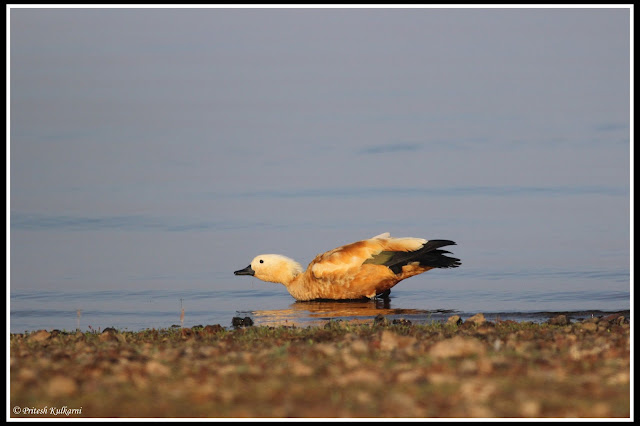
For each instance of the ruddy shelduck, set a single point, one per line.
(364, 269)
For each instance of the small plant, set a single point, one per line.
(181, 315)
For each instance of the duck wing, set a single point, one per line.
(428, 256)
(344, 262)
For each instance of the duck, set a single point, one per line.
(365, 269)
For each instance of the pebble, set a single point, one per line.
(454, 320)
(62, 386)
(530, 408)
(559, 320)
(359, 347)
(106, 336)
(155, 368)
(39, 336)
(477, 319)
(380, 320)
(390, 341)
(242, 322)
(456, 347)
(589, 326)
(301, 370)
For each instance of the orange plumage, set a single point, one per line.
(364, 269)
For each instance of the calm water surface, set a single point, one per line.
(137, 310)
(136, 191)
(138, 272)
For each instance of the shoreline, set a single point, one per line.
(286, 318)
(476, 368)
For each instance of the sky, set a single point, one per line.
(169, 146)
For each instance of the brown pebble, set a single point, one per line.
(380, 320)
(559, 320)
(454, 320)
(62, 386)
(39, 336)
(589, 326)
(390, 341)
(614, 319)
(155, 368)
(477, 319)
(456, 347)
(241, 322)
(107, 337)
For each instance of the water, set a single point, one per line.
(144, 170)
(138, 310)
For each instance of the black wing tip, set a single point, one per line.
(441, 243)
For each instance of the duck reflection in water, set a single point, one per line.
(317, 311)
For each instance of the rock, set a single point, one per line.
(457, 347)
(559, 320)
(106, 336)
(242, 322)
(361, 375)
(390, 341)
(410, 376)
(614, 319)
(299, 369)
(62, 386)
(401, 321)
(327, 349)
(589, 326)
(530, 408)
(380, 320)
(39, 336)
(477, 319)
(155, 368)
(454, 320)
(359, 347)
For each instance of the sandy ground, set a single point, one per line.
(476, 368)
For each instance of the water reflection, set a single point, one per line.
(318, 312)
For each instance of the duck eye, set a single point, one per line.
(261, 261)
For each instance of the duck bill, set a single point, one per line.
(246, 271)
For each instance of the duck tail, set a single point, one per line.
(429, 255)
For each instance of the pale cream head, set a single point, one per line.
(275, 268)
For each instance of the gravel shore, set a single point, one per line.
(454, 369)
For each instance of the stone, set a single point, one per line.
(62, 386)
(155, 368)
(559, 320)
(380, 320)
(390, 341)
(242, 322)
(477, 319)
(454, 320)
(39, 336)
(457, 347)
